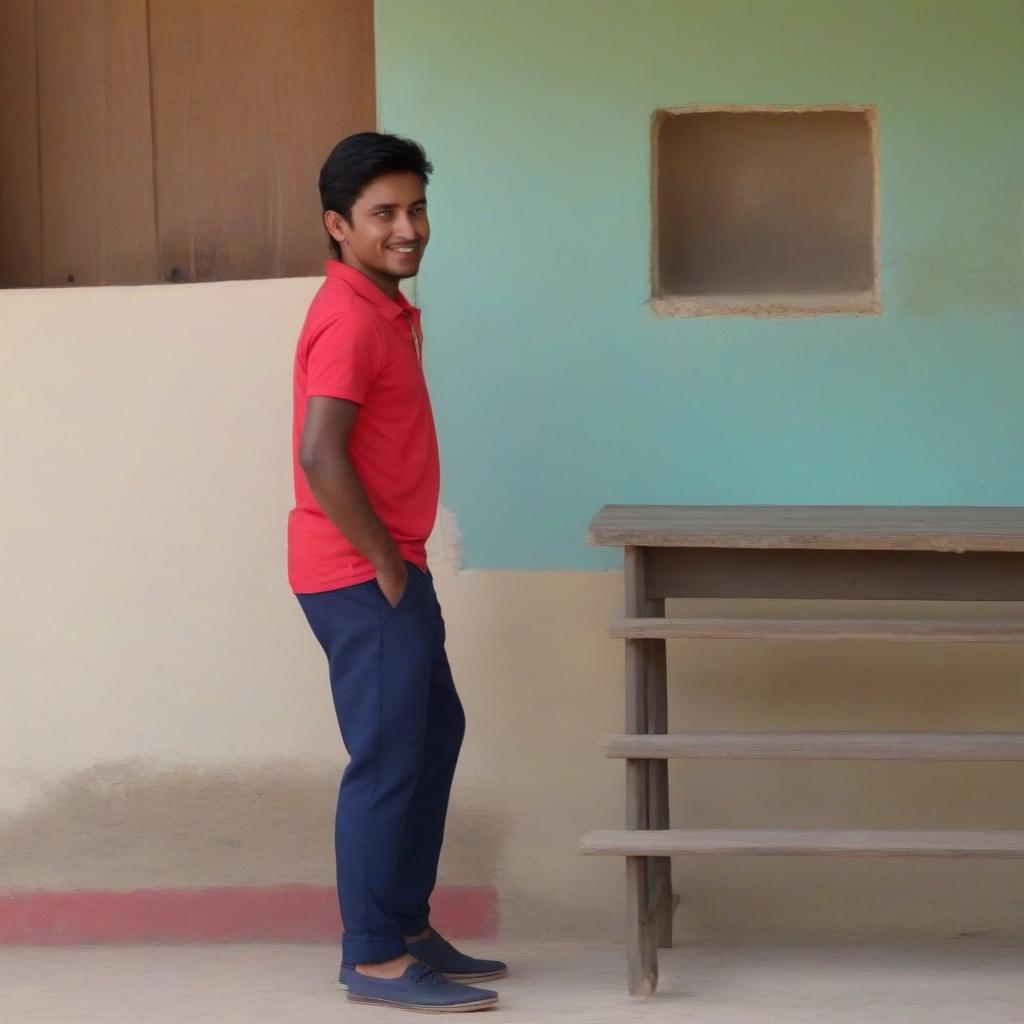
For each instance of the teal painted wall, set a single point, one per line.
(557, 390)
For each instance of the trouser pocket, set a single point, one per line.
(412, 571)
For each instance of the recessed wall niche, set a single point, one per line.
(765, 211)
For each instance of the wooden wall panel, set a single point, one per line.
(324, 89)
(248, 97)
(213, 181)
(178, 140)
(95, 142)
(21, 260)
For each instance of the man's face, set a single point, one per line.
(389, 229)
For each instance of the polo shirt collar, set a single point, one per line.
(365, 288)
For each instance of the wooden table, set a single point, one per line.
(797, 552)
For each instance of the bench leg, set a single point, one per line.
(641, 934)
(659, 874)
(641, 923)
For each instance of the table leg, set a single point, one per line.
(659, 873)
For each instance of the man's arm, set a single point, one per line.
(323, 455)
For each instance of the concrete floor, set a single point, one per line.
(969, 979)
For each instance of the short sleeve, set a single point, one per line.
(344, 360)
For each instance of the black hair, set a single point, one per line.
(356, 161)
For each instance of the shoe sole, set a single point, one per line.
(465, 978)
(480, 1004)
(470, 978)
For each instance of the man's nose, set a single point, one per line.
(404, 226)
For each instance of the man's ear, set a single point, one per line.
(335, 224)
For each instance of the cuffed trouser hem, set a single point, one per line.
(370, 950)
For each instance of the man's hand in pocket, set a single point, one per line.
(392, 580)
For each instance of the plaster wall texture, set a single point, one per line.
(166, 715)
(166, 719)
(537, 116)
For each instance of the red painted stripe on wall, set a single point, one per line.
(286, 913)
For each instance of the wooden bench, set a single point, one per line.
(811, 553)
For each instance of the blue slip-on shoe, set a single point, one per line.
(455, 966)
(420, 988)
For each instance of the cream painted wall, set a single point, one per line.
(146, 466)
(166, 717)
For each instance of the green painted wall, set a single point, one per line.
(556, 389)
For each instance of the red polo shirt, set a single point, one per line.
(360, 345)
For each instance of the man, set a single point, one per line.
(367, 482)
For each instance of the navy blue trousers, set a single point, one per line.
(402, 724)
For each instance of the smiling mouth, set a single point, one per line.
(405, 250)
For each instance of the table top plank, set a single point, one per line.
(950, 528)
